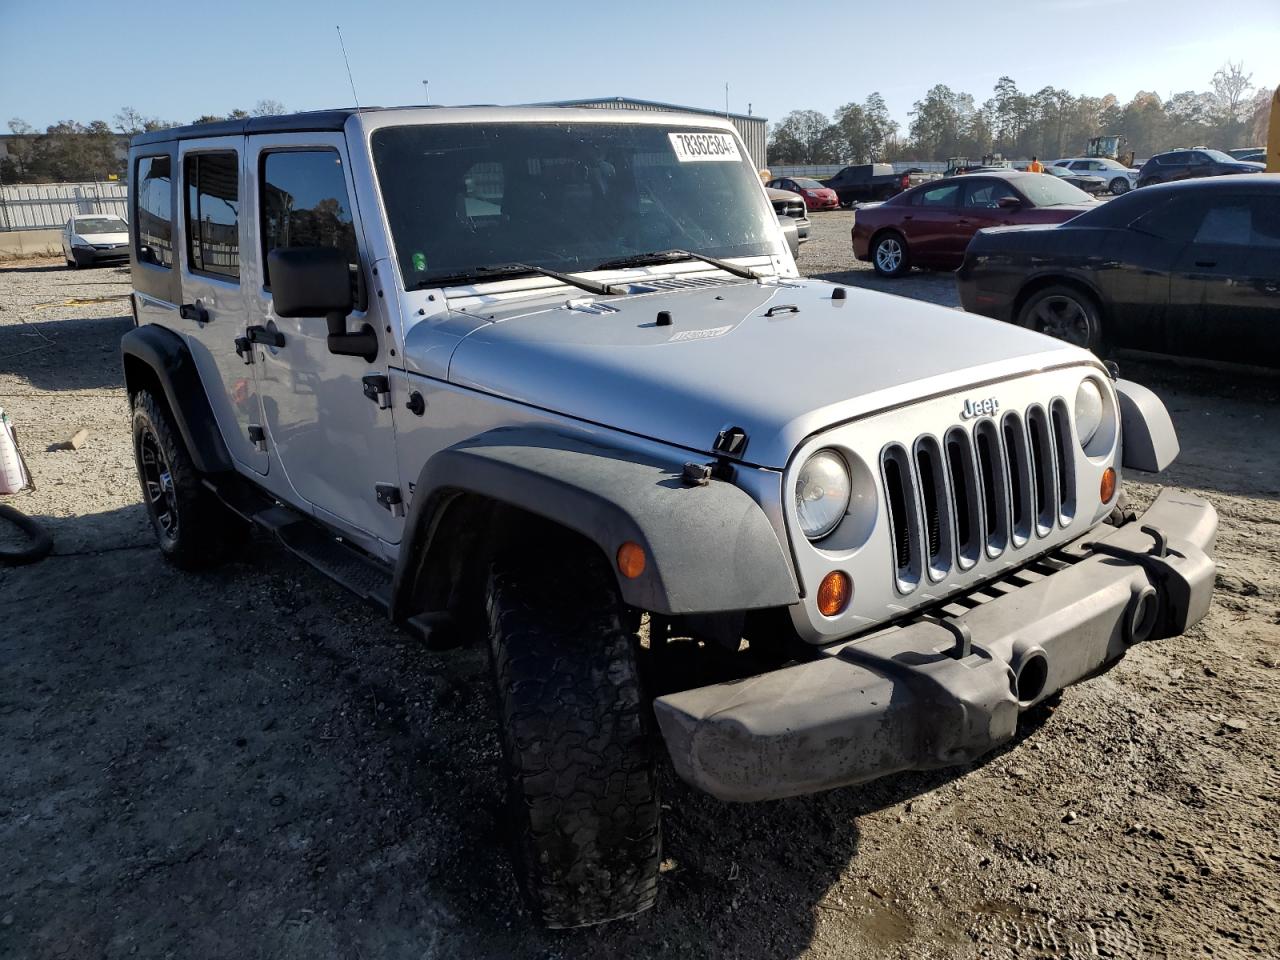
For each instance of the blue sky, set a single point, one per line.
(79, 61)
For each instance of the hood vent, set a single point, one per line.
(650, 284)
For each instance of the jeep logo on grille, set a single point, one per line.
(979, 408)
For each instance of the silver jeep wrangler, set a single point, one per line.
(549, 376)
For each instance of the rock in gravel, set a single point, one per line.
(1070, 817)
(1235, 724)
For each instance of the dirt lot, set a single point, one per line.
(250, 764)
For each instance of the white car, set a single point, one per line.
(1120, 179)
(94, 238)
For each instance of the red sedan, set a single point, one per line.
(816, 196)
(930, 225)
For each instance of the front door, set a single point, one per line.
(213, 309)
(334, 445)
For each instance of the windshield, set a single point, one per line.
(1045, 191)
(807, 184)
(1219, 156)
(91, 225)
(564, 196)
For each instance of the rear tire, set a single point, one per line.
(194, 528)
(889, 255)
(1065, 313)
(582, 789)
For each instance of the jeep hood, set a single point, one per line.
(780, 359)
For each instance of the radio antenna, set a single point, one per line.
(350, 78)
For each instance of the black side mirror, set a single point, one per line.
(1008, 203)
(313, 281)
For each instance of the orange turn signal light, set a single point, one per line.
(631, 560)
(1107, 489)
(834, 593)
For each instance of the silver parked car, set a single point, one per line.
(1119, 178)
(534, 377)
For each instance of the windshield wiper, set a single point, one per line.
(505, 271)
(671, 256)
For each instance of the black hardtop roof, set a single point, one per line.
(285, 123)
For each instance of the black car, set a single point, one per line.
(1187, 164)
(1190, 268)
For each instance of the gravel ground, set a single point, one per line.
(250, 764)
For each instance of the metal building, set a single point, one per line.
(753, 130)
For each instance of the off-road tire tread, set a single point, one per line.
(208, 532)
(577, 743)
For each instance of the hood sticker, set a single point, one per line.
(701, 147)
(706, 334)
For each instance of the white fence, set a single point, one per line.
(42, 206)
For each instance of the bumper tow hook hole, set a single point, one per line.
(1143, 611)
(1033, 673)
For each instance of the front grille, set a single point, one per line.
(789, 208)
(977, 492)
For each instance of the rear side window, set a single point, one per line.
(1179, 219)
(213, 213)
(153, 211)
(1242, 221)
(305, 203)
(944, 196)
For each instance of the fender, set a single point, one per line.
(167, 358)
(1148, 440)
(709, 548)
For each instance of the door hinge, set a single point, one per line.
(258, 437)
(378, 389)
(388, 495)
(244, 349)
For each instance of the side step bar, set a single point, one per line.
(339, 561)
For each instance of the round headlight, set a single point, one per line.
(822, 493)
(1089, 410)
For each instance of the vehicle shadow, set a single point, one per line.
(249, 761)
(19, 267)
(66, 353)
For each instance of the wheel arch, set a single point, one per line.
(157, 359)
(708, 548)
(1046, 280)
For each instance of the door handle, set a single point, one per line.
(963, 222)
(1206, 263)
(194, 311)
(258, 334)
(908, 216)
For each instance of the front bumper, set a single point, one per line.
(87, 256)
(941, 692)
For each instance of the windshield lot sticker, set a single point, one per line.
(694, 147)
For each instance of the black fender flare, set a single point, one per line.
(166, 356)
(708, 548)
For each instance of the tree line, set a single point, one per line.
(70, 151)
(1049, 123)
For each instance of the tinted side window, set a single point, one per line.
(1178, 219)
(213, 213)
(1174, 159)
(947, 195)
(305, 203)
(987, 193)
(1242, 221)
(153, 213)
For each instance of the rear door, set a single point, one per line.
(213, 302)
(930, 224)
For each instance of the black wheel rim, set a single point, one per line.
(1065, 318)
(157, 486)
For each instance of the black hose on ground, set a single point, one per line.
(38, 547)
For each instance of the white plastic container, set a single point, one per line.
(13, 472)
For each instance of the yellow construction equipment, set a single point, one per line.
(1273, 135)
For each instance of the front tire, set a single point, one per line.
(1119, 185)
(581, 783)
(889, 255)
(1065, 313)
(193, 527)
